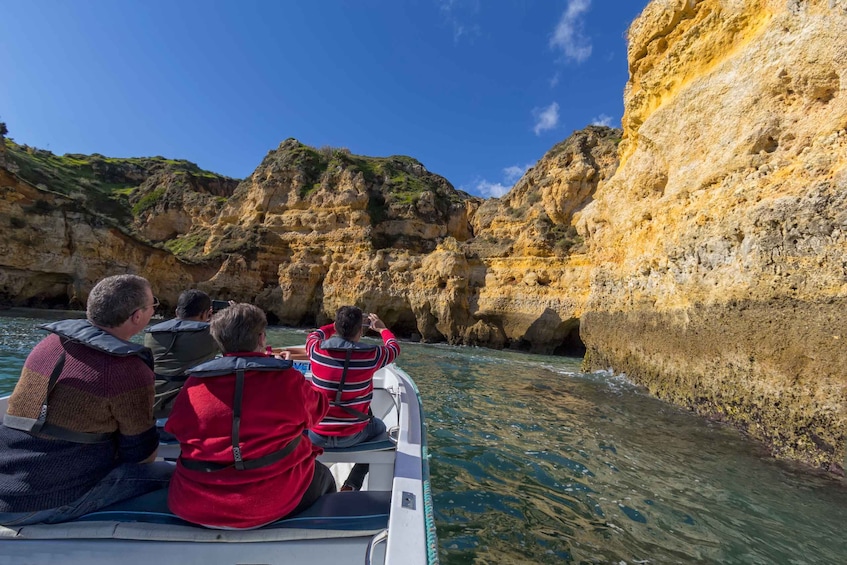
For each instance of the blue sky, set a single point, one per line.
(477, 91)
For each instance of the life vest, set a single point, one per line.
(225, 366)
(178, 325)
(338, 343)
(87, 334)
(175, 327)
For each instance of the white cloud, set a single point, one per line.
(568, 36)
(515, 172)
(450, 11)
(602, 120)
(555, 80)
(546, 118)
(491, 189)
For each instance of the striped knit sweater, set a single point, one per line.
(96, 393)
(327, 369)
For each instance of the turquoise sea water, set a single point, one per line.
(536, 462)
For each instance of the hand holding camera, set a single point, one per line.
(218, 305)
(373, 322)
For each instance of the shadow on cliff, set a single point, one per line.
(550, 335)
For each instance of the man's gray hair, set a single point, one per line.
(238, 328)
(114, 299)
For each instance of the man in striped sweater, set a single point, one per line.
(343, 369)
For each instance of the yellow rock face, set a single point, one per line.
(52, 249)
(718, 247)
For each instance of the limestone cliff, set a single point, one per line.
(312, 230)
(529, 270)
(718, 247)
(71, 220)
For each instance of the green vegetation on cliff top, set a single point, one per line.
(104, 185)
(400, 178)
(72, 172)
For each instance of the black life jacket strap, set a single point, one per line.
(209, 467)
(238, 462)
(343, 376)
(171, 346)
(53, 432)
(54, 377)
(39, 426)
(353, 412)
(337, 402)
(236, 419)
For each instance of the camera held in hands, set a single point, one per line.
(218, 305)
(366, 320)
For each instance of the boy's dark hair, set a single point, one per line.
(348, 322)
(237, 329)
(192, 303)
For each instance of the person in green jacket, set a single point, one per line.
(178, 345)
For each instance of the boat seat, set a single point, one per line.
(360, 510)
(378, 450)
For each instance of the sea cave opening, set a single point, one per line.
(571, 344)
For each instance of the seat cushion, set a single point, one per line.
(379, 443)
(362, 510)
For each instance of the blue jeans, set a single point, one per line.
(374, 428)
(125, 481)
(356, 477)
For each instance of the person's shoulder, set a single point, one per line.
(44, 354)
(129, 368)
(50, 341)
(292, 372)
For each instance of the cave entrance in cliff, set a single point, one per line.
(273, 319)
(571, 344)
(49, 290)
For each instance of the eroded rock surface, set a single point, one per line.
(718, 248)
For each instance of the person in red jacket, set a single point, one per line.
(240, 421)
(343, 369)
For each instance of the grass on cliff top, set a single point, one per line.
(71, 177)
(401, 178)
(188, 245)
(104, 184)
(73, 172)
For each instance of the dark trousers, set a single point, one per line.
(322, 483)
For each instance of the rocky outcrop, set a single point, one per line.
(3, 131)
(326, 228)
(71, 220)
(530, 272)
(717, 248)
(323, 228)
(54, 252)
(313, 229)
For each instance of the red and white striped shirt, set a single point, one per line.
(328, 367)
